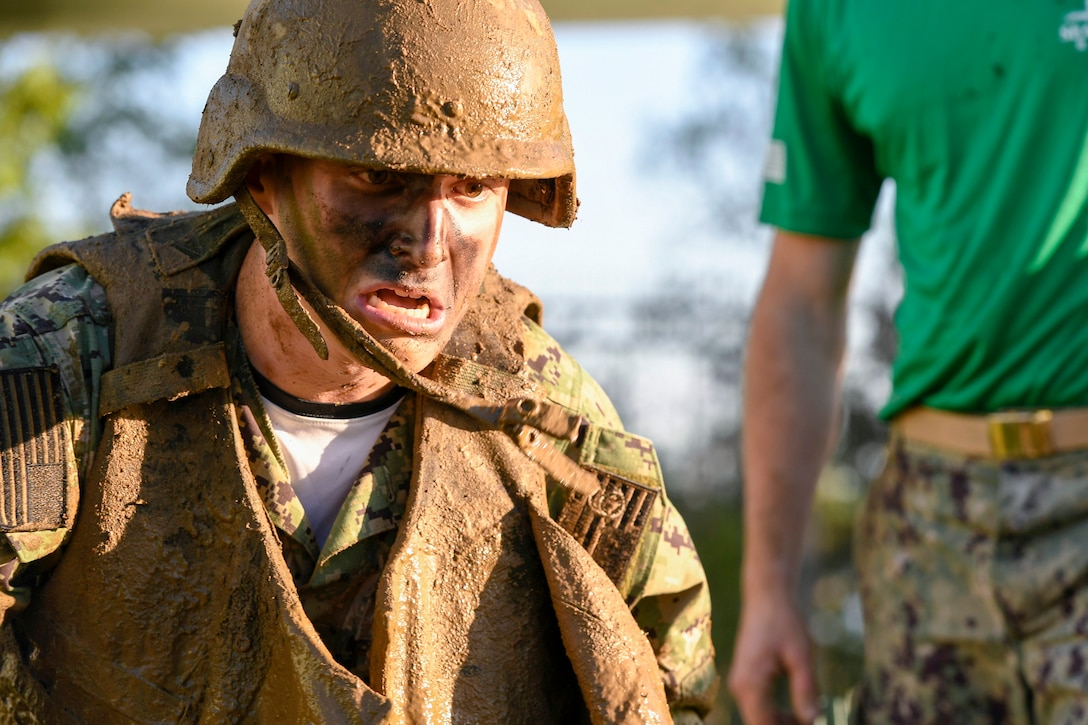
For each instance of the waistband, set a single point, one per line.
(1002, 436)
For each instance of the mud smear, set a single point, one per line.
(469, 88)
(173, 602)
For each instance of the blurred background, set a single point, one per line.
(670, 107)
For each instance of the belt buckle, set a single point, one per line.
(1020, 434)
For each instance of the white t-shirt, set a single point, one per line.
(325, 454)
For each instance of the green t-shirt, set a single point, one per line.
(979, 112)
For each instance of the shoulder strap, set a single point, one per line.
(166, 277)
(617, 478)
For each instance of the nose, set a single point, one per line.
(421, 241)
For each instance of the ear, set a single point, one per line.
(262, 180)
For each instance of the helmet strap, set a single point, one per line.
(289, 282)
(358, 341)
(510, 416)
(277, 268)
(515, 417)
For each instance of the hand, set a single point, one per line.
(772, 641)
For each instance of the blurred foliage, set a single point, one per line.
(720, 143)
(702, 315)
(716, 531)
(720, 147)
(126, 120)
(35, 108)
(70, 117)
(706, 326)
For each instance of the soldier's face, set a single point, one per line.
(403, 254)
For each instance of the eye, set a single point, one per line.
(473, 188)
(377, 177)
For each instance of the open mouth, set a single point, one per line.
(405, 311)
(398, 303)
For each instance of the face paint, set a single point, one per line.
(403, 254)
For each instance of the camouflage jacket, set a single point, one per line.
(61, 320)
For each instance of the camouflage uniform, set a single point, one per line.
(61, 319)
(973, 578)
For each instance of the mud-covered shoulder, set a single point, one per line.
(60, 321)
(46, 309)
(564, 380)
(664, 582)
(54, 330)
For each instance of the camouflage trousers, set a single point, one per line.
(975, 589)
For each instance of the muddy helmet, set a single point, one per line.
(463, 87)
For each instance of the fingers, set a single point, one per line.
(755, 701)
(756, 667)
(757, 706)
(769, 647)
(752, 692)
(804, 692)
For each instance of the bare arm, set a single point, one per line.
(791, 391)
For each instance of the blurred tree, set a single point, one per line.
(719, 147)
(35, 108)
(707, 326)
(720, 143)
(128, 124)
(71, 123)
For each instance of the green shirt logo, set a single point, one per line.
(1075, 28)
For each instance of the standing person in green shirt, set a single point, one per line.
(971, 546)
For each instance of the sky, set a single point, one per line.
(621, 82)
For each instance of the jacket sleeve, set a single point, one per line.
(673, 608)
(665, 584)
(54, 337)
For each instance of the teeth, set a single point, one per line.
(422, 312)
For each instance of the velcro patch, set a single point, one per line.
(609, 523)
(35, 450)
